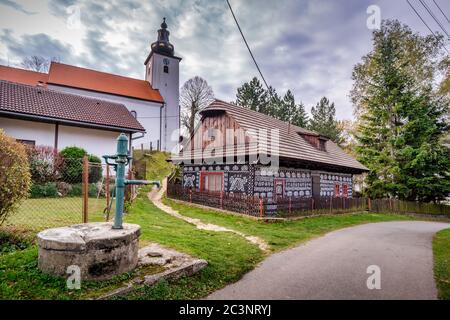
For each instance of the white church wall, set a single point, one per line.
(168, 85)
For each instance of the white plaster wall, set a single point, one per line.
(94, 141)
(168, 85)
(148, 113)
(40, 132)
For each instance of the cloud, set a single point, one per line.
(15, 6)
(38, 44)
(308, 46)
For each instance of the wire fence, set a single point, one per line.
(66, 191)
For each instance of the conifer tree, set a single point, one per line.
(401, 119)
(323, 120)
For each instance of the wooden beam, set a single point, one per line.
(85, 188)
(55, 145)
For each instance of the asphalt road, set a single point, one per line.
(335, 266)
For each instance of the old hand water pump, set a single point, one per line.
(121, 159)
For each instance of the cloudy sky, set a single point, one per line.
(308, 46)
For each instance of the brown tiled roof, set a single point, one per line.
(76, 77)
(291, 145)
(87, 79)
(38, 102)
(22, 76)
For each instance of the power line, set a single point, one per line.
(420, 17)
(441, 11)
(434, 17)
(248, 48)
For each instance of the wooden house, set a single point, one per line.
(237, 150)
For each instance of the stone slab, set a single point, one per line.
(177, 265)
(98, 250)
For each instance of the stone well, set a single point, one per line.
(100, 251)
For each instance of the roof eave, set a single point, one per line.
(33, 117)
(166, 55)
(114, 94)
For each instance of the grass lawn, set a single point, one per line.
(229, 255)
(21, 279)
(281, 235)
(441, 251)
(42, 213)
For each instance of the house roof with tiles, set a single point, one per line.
(295, 143)
(42, 104)
(86, 79)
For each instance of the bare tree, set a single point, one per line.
(37, 63)
(195, 95)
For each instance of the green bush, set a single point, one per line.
(92, 190)
(76, 190)
(72, 169)
(15, 177)
(95, 171)
(46, 190)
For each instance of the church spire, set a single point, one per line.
(162, 45)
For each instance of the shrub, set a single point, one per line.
(45, 163)
(76, 190)
(72, 170)
(15, 178)
(93, 190)
(46, 190)
(95, 168)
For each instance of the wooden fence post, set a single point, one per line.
(85, 188)
(290, 205)
(108, 199)
(331, 204)
(221, 199)
(190, 195)
(369, 204)
(261, 207)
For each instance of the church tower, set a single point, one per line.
(162, 71)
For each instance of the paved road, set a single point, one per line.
(335, 266)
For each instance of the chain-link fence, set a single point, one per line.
(66, 191)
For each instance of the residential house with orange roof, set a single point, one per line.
(153, 102)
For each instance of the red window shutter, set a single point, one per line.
(337, 190)
(345, 190)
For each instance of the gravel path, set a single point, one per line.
(155, 196)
